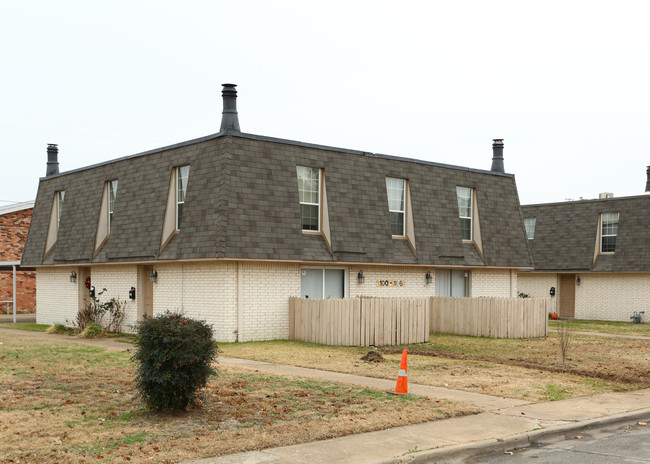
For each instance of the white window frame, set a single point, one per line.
(180, 202)
(317, 204)
(459, 191)
(602, 230)
(390, 180)
(346, 289)
(530, 224)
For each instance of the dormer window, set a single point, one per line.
(529, 223)
(55, 220)
(396, 190)
(608, 232)
(309, 181)
(182, 175)
(60, 199)
(112, 191)
(105, 215)
(464, 195)
(175, 204)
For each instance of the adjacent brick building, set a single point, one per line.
(593, 256)
(14, 225)
(229, 226)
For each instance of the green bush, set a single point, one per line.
(175, 356)
(58, 329)
(92, 331)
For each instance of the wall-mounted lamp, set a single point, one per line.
(153, 278)
(361, 277)
(429, 277)
(73, 276)
(578, 280)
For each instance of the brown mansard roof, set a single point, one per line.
(566, 234)
(242, 202)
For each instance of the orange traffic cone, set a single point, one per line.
(402, 378)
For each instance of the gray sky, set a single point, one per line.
(566, 84)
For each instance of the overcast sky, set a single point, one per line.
(566, 84)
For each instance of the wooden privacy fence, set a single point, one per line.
(360, 321)
(490, 317)
(395, 321)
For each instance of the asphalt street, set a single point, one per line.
(626, 443)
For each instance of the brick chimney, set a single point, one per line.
(497, 155)
(647, 182)
(229, 117)
(52, 160)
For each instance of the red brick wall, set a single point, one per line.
(13, 233)
(25, 291)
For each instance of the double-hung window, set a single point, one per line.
(396, 189)
(182, 176)
(464, 195)
(529, 223)
(309, 181)
(608, 232)
(112, 191)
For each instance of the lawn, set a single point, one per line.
(528, 369)
(70, 403)
(611, 327)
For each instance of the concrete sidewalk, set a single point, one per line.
(506, 423)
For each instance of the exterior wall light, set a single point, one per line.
(429, 277)
(361, 277)
(73, 277)
(578, 280)
(153, 278)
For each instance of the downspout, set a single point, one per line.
(240, 310)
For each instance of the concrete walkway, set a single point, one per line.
(505, 424)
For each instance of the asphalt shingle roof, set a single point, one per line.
(566, 235)
(242, 203)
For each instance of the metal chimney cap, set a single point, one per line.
(229, 117)
(497, 141)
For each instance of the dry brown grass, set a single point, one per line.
(528, 369)
(71, 403)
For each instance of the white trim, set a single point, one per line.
(402, 211)
(318, 204)
(16, 207)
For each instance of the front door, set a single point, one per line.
(145, 296)
(567, 295)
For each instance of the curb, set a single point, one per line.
(455, 453)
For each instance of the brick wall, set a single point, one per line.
(415, 283)
(265, 299)
(117, 280)
(200, 290)
(538, 285)
(612, 296)
(13, 233)
(501, 283)
(57, 299)
(216, 291)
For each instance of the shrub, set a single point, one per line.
(58, 329)
(92, 331)
(94, 312)
(175, 356)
